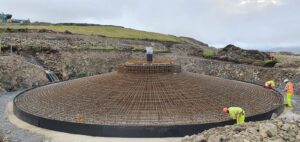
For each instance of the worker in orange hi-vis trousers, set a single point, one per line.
(289, 92)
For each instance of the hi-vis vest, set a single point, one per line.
(271, 82)
(233, 111)
(290, 88)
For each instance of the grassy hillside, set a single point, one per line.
(107, 31)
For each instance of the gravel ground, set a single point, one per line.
(9, 132)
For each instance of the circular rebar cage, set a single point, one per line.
(143, 100)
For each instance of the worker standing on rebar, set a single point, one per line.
(270, 84)
(236, 113)
(289, 91)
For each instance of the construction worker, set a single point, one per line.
(270, 84)
(236, 113)
(289, 91)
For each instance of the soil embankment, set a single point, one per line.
(72, 56)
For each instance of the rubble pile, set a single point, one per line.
(278, 130)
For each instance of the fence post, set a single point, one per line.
(11, 50)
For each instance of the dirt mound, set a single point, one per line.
(235, 54)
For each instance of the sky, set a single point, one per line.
(252, 24)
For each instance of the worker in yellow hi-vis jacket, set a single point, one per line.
(236, 113)
(270, 84)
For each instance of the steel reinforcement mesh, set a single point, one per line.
(146, 97)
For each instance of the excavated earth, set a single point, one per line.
(73, 56)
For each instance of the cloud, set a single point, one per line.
(261, 2)
(242, 7)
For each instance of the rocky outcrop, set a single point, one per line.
(235, 54)
(278, 130)
(16, 73)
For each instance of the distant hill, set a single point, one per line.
(288, 49)
(99, 30)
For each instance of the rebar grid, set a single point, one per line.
(141, 66)
(139, 97)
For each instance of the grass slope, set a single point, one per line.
(107, 31)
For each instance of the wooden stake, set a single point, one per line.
(11, 50)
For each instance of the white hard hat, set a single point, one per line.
(286, 80)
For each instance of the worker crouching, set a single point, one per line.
(270, 84)
(236, 113)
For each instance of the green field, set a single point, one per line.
(107, 31)
(208, 53)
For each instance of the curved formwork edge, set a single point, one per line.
(130, 131)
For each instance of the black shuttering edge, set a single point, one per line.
(131, 131)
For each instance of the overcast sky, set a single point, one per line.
(247, 23)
